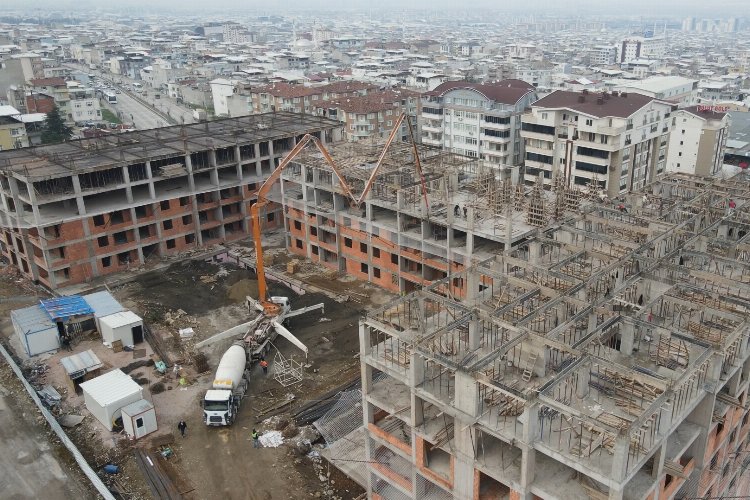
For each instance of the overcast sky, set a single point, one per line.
(671, 8)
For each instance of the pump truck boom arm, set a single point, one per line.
(269, 307)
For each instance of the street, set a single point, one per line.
(133, 110)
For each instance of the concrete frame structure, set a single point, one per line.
(606, 357)
(81, 209)
(404, 237)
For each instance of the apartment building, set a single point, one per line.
(698, 140)
(87, 208)
(617, 141)
(675, 89)
(603, 55)
(12, 132)
(639, 47)
(372, 115)
(606, 359)
(477, 120)
(301, 98)
(83, 105)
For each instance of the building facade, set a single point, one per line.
(374, 115)
(616, 140)
(698, 140)
(477, 120)
(77, 212)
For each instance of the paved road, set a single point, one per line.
(180, 113)
(132, 111)
(29, 465)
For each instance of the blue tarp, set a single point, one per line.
(64, 308)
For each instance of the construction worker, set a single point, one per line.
(256, 439)
(182, 426)
(264, 365)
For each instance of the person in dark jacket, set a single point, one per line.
(182, 426)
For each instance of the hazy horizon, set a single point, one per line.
(570, 8)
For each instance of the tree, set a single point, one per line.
(55, 129)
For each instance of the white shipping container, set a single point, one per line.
(139, 419)
(124, 325)
(107, 394)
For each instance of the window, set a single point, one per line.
(314, 250)
(98, 220)
(184, 201)
(363, 267)
(164, 205)
(106, 261)
(544, 116)
(189, 238)
(139, 422)
(297, 225)
(187, 220)
(103, 241)
(167, 225)
(313, 231)
(270, 217)
(348, 242)
(394, 258)
(375, 252)
(376, 272)
(171, 243)
(363, 247)
(298, 243)
(589, 122)
(679, 153)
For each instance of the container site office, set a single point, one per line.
(40, 327)
(107, 394)
(139, 419)
(125, 326)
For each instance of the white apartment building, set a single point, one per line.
(675, 89)
(698, 140)
(639, 47)
(83, 105)
(477, 120)
(618, 140)
(221, 90)
(603, 55)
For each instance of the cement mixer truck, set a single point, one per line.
(222, 401)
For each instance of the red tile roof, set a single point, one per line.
(621, 105)
(48, 82)
(706, 112)
(506, 91)
(370, 103)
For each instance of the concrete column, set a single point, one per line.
(620, 459)
(128, 188)
(627, 337)
(582, 388)
(79, 195)
(34, 205)
(466, 396)
(237, 160)
(475, 336)
(256, 148)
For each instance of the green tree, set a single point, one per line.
(55, 129)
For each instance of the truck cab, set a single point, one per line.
(220, 407)
(283, 303)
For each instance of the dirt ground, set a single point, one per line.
(213, 461)
(210, 298)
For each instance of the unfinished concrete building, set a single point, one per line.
(606, 356)
(419, 221)
(73, 211)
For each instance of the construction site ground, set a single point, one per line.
(209, 298)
